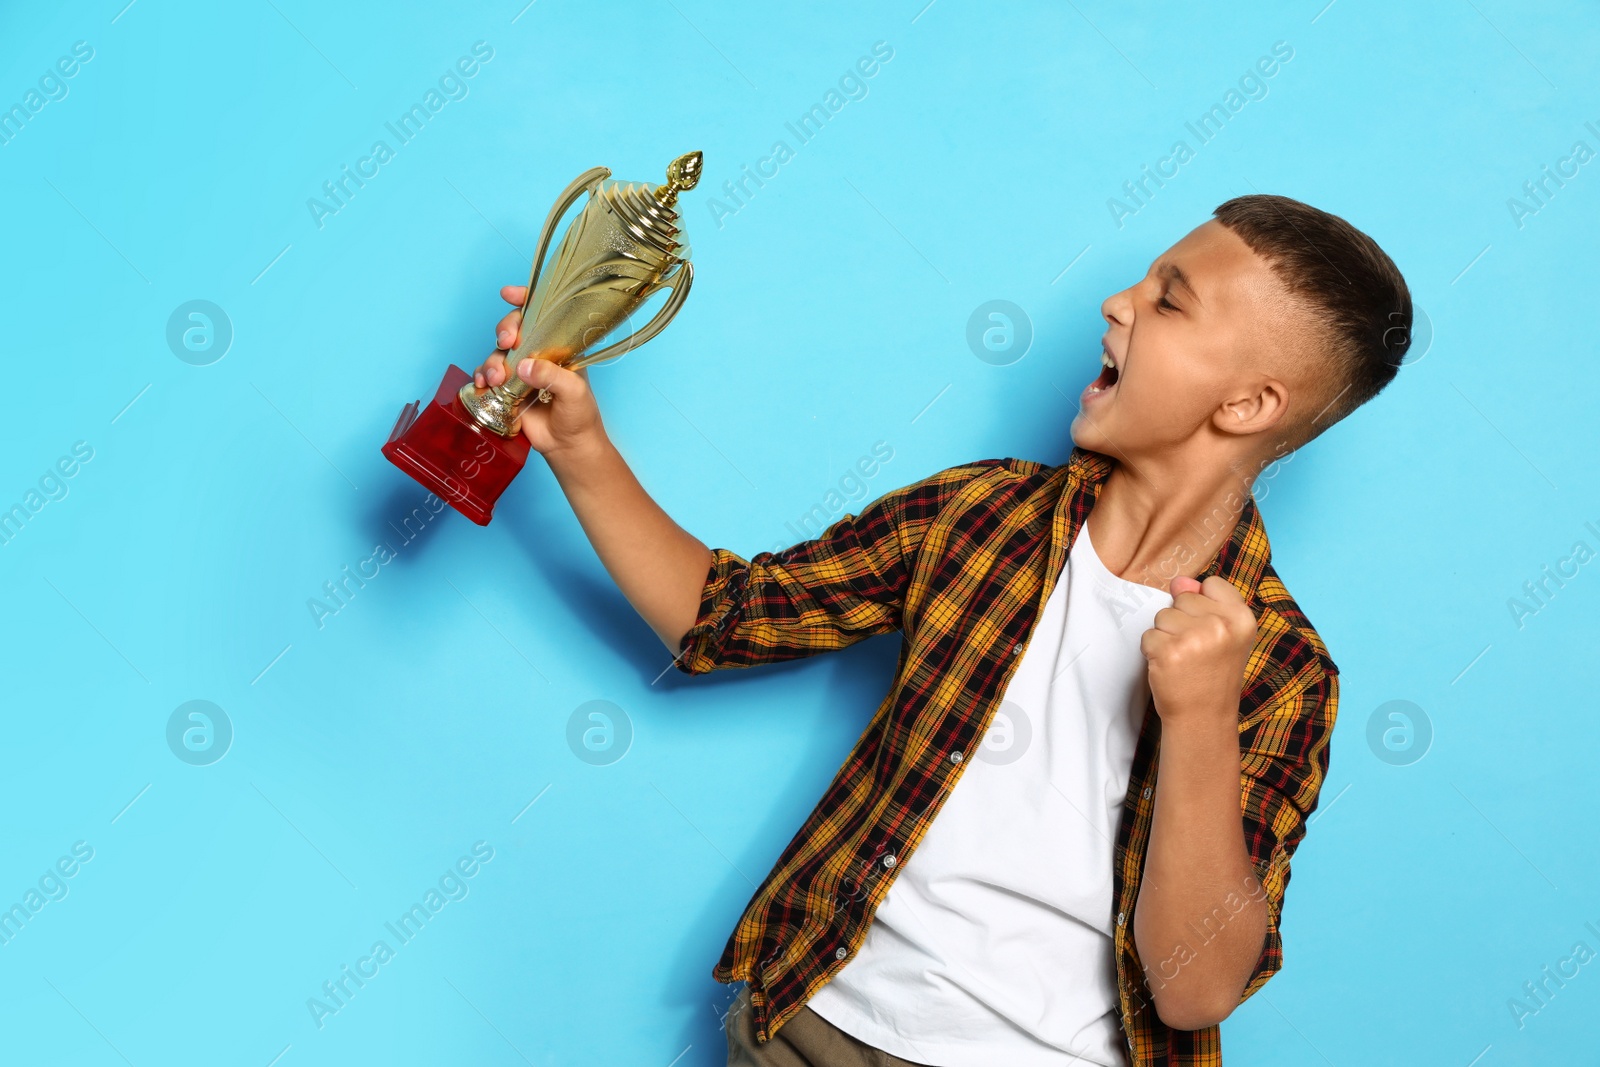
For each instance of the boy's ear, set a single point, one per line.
(1253, 412)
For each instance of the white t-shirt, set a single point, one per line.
(994, 942)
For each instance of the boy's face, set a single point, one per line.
(1193, 342)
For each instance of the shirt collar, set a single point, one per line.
(1241, 559)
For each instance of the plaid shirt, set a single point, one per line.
(961, 564)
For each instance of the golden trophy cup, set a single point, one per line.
(626, 244)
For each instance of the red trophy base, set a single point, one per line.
(443, 447)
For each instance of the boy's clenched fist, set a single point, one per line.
(1198, 648)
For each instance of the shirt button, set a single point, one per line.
(840, 953)
(1147, 792)
(889, 860)
(1121, 918)
(1016, 650)
(957, 756)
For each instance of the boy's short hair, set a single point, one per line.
(1350, 286)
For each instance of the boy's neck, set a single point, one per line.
(1154, 520)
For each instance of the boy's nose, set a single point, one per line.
(1117, 309)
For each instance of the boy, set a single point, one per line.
(1108, 888)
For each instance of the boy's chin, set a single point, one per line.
(1085, 434)
(1090, 436)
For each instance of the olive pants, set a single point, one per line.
(806, 1040)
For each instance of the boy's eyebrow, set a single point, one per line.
(1174, 273)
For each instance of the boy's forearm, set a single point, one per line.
(660, 567)
(1200, 919)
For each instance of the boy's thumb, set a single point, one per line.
(1181, 584)
(545, 374)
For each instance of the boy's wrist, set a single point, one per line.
(581, 453)
(1203, 737)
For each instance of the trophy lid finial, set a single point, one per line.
(682, 173)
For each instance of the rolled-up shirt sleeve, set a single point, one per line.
(846, 584)
(1285, 760)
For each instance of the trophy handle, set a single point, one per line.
(583, 183)
(678, 281)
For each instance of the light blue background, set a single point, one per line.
(829, 314)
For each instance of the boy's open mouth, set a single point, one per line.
(1108, 375)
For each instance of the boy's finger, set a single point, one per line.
(505, 332)
(493, 371)
(514, 294)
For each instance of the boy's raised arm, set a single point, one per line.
(660, 567)
(715, 609)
